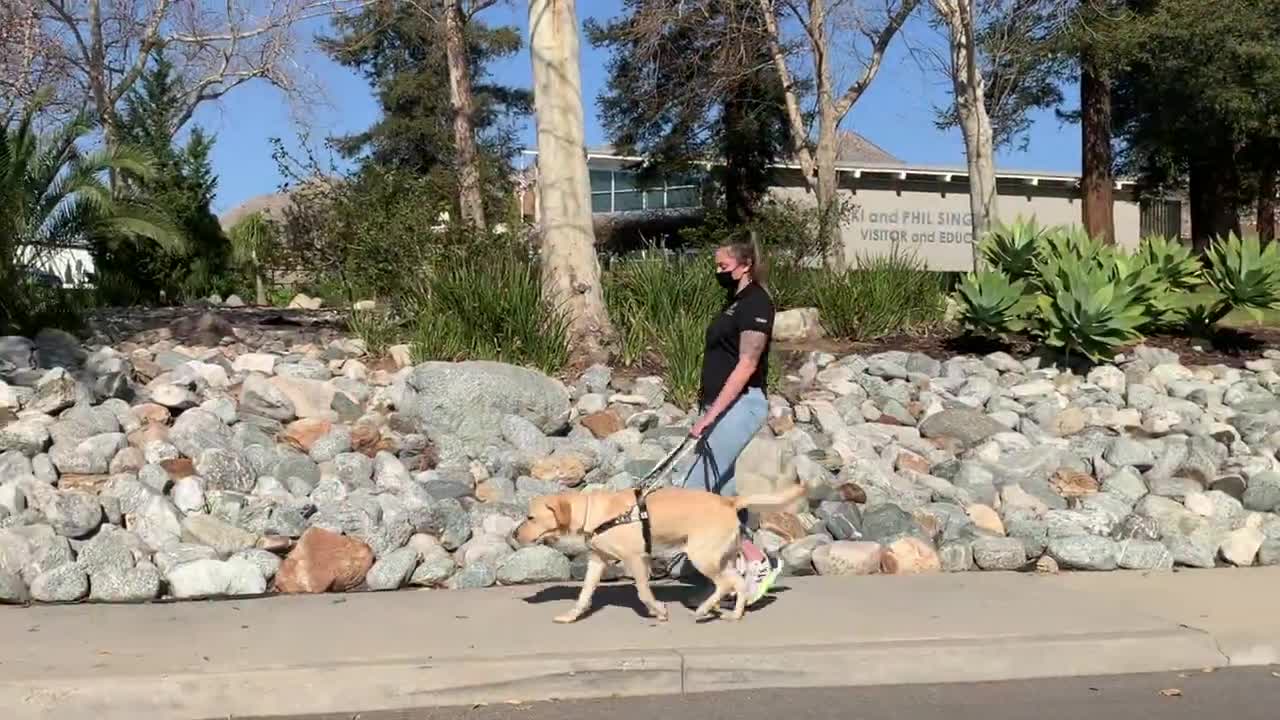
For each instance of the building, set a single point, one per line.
(893, 206)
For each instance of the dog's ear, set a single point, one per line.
(559, 507)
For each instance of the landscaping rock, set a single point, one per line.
(535, 564)
(393, 571)
(466, 402)
(1085, 552)
(65, 583)
(324, 561)
(136, 584)
(999, 553)
(848, 557)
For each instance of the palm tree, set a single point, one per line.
(54, 196)
(252, 239)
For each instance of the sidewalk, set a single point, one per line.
(365, 652)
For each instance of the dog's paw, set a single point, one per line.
(567, 618)
(661, 614)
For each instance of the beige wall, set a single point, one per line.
(931, 219)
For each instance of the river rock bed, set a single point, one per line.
(161, 470)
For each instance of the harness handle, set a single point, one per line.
(650, 482)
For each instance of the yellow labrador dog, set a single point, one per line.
(703, 524)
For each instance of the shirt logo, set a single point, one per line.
(762, 321)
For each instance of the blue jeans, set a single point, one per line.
(720, 446)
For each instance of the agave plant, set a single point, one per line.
(1085, 310)
(1012, 249)
(1173, 261)
(990, 303)
(1243, 274)
(1178, 279)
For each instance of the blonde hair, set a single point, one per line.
(745, 248)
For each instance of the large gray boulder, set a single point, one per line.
(465, 402)
(969, 427)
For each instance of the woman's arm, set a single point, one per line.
(751, 346)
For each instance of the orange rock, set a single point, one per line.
(910, 461)
(150, 432)
(303, 434)
(852, 492)
(179, 468)
(277, 544)
(986, 518)
(567, 469)
(910, 556)
(324, 561)
(151, 413)
(1071, 483)
(88, 483)
(785, 525)
(604, 423)
(486, 492)
(365, 438)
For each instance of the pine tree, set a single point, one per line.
(400, 50)
(696, 86)
(184, 185)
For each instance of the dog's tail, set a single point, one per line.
(765, 501)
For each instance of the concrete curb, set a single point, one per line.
(431, 682)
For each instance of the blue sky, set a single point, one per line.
(896, 113)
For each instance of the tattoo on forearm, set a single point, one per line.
(752, 344)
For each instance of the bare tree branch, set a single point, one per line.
(103, 47)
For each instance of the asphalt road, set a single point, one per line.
(1243, 694)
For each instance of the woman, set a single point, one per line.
(732, 396)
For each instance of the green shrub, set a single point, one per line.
(378, 329)
(990, 304)
(887, 294)
(1014, 249)
(1242, 275)
(487, 306)
(660, 309)
(1085, 307)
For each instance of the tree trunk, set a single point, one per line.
(1096, 182)
(570, 266)
(828, 191)
(975, 123)
(1267, 201)
(737, 203)
(470, 199)
(1215, 206)
(259, 282)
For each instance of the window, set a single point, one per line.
(601, 181)
(620, 191)
(628, 200)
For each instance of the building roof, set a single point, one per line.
(850, 147)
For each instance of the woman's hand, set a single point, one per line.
(701, 426)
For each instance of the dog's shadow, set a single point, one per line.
(622, 593)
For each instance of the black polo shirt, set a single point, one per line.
(750, 309)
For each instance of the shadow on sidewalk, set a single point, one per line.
(623, 594)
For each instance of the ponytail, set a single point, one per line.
(747, 250)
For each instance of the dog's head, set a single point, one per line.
(548, 519)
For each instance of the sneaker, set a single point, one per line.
(761, 581)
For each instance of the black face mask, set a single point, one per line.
(726, 280)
